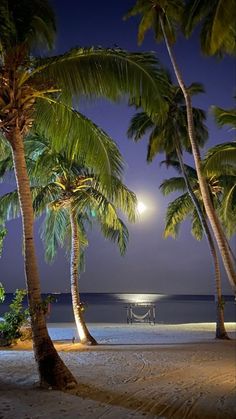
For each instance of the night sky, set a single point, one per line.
(151, 264)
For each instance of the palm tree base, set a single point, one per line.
(222, 336)
(90, 341)
(53, 372)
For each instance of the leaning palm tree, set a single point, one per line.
(164, 16)
(38, 92)
(183, 207)
(171, 137)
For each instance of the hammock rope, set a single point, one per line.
(140, 317)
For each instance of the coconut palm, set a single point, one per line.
(170, 136)
(66, 222)
(72, 196)
(38, 92)
(164, 16)
(217, 19)
(183, 207)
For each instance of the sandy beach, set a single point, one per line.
(166, 371)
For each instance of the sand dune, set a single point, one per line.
(137, 371)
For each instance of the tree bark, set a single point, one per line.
(220, 326)
(52, 371)
(210, 211)
(85, 337)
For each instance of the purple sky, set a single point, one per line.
(151, 264)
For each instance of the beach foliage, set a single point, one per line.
(14, 318)
(2, 293)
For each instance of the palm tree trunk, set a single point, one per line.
(85, 336)
(220, 326)
(52, 371)
(210, 211)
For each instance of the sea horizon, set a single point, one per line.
(114, 307)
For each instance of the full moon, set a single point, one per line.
(141, 207)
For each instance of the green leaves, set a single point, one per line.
(80, 139)
(111, 73)
(177, 211)
(217, 19)
(221, 159)
(170, 130)
(225, 116)
(26, 21)
(156, 15)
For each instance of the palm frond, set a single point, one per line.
(118, 234)
(189, 170)
(6, 165)
(224, 116)
(221, 159)
(217, 20)
(26, 22)
(139, 125)
(78, 137)
(173, 184)
(43, 196)
(110, 73)
(228, 209)
(177, 211)
(196, 229)
(9, 206)
(54, 231)
(121, 196)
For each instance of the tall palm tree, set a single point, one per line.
(217, 18)
(171, 137)
(164, 16)
(38, 92)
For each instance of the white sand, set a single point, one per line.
(167, 371)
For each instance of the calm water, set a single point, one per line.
(112, 308)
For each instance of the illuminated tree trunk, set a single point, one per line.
(52, 371)
(83, 332)
(210, 211)
(220, 326)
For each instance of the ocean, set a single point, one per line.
(115, 308)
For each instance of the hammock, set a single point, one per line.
(148, 317)
(140, 317)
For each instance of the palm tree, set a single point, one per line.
(164, 17)
(171, 136)
(218, 18)
(182, 208)
(72, 196)
(38, 92)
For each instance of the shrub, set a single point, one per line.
(10, 328)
